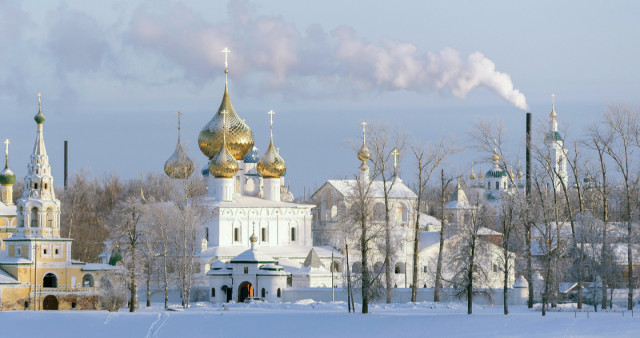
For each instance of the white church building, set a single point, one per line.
(256, 238)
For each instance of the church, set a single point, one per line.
(36, 269)
(257, 240)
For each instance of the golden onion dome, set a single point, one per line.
(271, 164)
(239, 136)
(473, 174)
(223, 164)
(480, 175)
(495, 157)
(179, 165)
(364, 154)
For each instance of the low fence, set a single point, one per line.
(403, 295)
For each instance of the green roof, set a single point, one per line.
(496, 173)
(7, 177)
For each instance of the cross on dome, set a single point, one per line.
(179, 113)
(395, 154)
(6, 146)
(226, 52)
(39, 102)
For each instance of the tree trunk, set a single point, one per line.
(387, 249)
(346, 252)
(438, 284)
(416, 239)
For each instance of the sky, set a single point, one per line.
(113, 74)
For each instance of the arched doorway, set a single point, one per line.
(245, 290)
(228, 291)
(50, 303)
(87, 281)
(50, 281)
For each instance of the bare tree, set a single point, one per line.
(598, 138)
(444, 184)
(623, 122)
(465, 257)
(125, 230)
(385, 147)
(428, 159)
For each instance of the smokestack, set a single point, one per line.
(528, 157)
(66, 162)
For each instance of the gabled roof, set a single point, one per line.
(398, 190)
(252, 256)
(458, 199)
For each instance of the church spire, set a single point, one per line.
(41, 210)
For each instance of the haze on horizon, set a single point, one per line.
(114, 74)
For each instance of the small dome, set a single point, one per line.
(7, 177)
(364, 154)
(495, 157)
(481, 175)
(223, 164)
(472, 176)
(271, 165)
(205, 170)
(39, 118)
(179, 165)
(239, 136)
(253, 238)
(253, 156)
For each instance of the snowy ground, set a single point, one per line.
(309, 319)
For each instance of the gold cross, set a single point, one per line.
(39, 102)
(226, 52)
(553, 98)
(271, 112)
(6, 146)
(395, 154)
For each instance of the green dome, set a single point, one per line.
(7, 177)
(39, 118)
(496, 173)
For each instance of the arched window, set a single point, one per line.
(87, 281)
(497, 185)
(334, 212)
(19, 214)
(263, 293)
(50, 281)
(236, 234)
(264, 234)
(335, 266)
(293, 234)
(378, 267)
(505, 185)
(34, 217)
(279, 293)
(357, 267)
(379, 212)
(50, 218)
(399, 268)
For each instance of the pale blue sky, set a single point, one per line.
(113, 74)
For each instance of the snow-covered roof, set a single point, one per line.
(273, 270)
(458, 200)
(521, 282)
(482, 231)
(277, 252)
(7, 210)
(15, 260)
(252, 256)
(97, 267)
(398, 190)
(6, 278)
(312, 260)
(240, 201)
(428, 220)
(428, 238)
